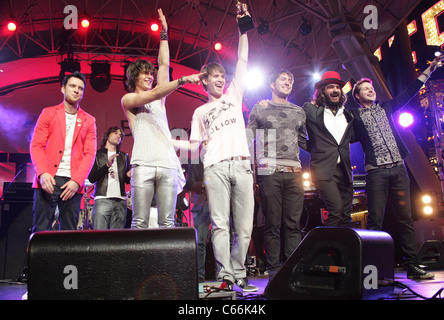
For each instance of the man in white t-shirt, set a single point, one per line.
(219, 124)
(110, 172)
(62, 148)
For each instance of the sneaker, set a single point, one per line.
(245, 286)
(416, 272)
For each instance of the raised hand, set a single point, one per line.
(162, 19)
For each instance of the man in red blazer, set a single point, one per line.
(62, 149)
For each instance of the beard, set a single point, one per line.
(334, 104)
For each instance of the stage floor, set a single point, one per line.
(405, 290)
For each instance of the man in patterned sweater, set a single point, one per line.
(384, 153)
(281, 127)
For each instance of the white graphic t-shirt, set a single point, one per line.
(220, 124)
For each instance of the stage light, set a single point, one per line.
(100, 76)
(426, 199)
(306, 175)
(305, 28)
(263, 27)
(85, 23)
(406, 119)
(428, 210)
(254, 79)
(316, 76)
(11, 26)
(154, 26)
(68, 65)
(217, 46)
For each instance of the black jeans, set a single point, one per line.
(45, 205)
(337, 195)
(394, 184)
(282, 200)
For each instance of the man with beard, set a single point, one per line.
(329, 128)
(280, 174)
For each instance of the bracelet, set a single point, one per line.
(163, 35)
(181, 81)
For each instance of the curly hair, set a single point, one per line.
(319, 97)
(134, 70)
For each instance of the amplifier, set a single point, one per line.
(18, 191)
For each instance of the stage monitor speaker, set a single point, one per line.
(336, 264)
(15, 229)
(431, 254)
(148, 264)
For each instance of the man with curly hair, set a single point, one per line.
(156, 167)
(329, 128)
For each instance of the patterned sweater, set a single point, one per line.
(280, 129)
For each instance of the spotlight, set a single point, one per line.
(406, 119)
(316, 76)
(428, 210)
(11, 26)
(68, 65)
(154, 26)
(254, 79)
(85, 23)
(217, 46)
(100, 76)
(426, 199)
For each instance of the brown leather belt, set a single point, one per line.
(285, 169)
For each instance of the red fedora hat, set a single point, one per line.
(330, 77)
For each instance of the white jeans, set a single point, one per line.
(145, 181)
(229, 186)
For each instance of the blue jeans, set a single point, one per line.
(45, 205)
(229, 185)
(109, 213)
(145, 181)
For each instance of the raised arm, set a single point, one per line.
(241, 65)
(437, 62)
(163, 74)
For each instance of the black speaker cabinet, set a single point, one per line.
(148, 264)
(15, 229)
(336, 263)
(431, 254)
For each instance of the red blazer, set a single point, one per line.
(48, 143)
